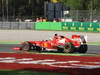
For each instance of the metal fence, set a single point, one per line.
(84, 15)
(75, 15)
(17, 25)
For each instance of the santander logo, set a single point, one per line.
(51, 62)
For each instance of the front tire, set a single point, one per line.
(25, 46)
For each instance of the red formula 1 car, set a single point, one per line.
(77, 43)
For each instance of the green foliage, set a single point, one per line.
(73, 4)
(82, 4)
(29, 72)
(36, 7)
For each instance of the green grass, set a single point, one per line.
(27, 72)
(94, 43)
(10, 42)
(65, 54)
(18, 42)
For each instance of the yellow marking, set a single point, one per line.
(65, 27)
(73, 28)
(90, 29)
(81, 28)
(98, 29)
(55, 1)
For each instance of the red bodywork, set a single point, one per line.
(52, 44)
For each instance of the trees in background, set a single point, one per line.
(82, 4)
(36, 7)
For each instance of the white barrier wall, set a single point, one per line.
(24, 35)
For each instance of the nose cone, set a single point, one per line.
(16, 48)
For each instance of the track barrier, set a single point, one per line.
(69, 26)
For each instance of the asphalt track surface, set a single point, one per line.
(95, 49)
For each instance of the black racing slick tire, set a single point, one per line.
(83, 48)
(38, 48)
(25, 46)
(68, 48)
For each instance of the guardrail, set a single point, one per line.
(17, 25)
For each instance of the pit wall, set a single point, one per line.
(68, 26)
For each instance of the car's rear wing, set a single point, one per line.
(81, 38)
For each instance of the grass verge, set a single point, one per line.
(27, 72)
(94, 43)
(18, 42)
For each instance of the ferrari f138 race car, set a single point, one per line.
(77, 43)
